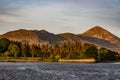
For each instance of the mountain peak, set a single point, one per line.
(44, 31)
(101, 33)
(97, 28)
(97, 31)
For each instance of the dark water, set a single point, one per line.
(59, 71)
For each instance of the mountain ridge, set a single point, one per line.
(96, 35)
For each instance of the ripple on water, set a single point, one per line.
(59, 71)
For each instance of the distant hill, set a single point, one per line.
(96, 35)
(102, 38)
(101, 33)
(32, 36)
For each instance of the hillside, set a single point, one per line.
(96, 35)
(32, 36)
(102, 38)
(72, 38)
(101, 33)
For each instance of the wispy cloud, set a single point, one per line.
(59, 15)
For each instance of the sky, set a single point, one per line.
(59, 16)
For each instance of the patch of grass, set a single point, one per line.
(6, 58)
(19, 59)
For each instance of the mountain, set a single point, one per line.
(101, 33)
(102, 38)
(96, 35)
(32, 36)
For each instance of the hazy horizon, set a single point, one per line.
(59, 16)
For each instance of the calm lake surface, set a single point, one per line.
(59, 71)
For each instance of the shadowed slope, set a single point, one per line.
(101, 33)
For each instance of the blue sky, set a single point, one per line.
(58, 16)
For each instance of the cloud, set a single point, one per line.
(59, 15)
(34, 16)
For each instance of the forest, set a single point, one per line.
(52, 53)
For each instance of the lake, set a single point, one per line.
(59, 71)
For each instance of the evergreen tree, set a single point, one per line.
(91, 52)
(4, 43)
(36, 51)
(107, 55)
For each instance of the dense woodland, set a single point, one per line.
(55, 52)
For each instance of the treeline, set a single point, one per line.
(55, 52)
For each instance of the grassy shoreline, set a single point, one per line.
(35, 59)
(20, 59)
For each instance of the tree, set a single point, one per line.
(14, 49)
(107, 55)
(91, 52)
(4, 44)
(36, 51)
(33, 51)
(25, 51)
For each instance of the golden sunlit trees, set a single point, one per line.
(24, 50)
(35, 51)
(14, 49)
(47, 52)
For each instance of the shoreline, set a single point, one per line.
(78, 60)
(60, 60)
(20, 61)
